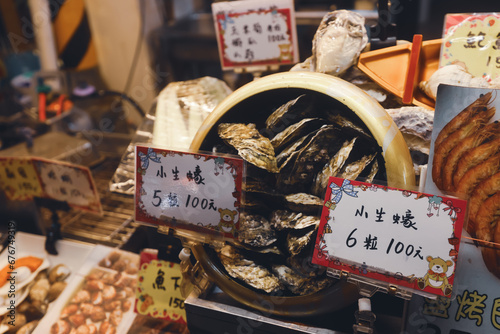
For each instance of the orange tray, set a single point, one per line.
(400, 68)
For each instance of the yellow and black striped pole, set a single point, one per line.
(75, 47)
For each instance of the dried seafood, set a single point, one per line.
(309, 142)
(248, 271)
(284, 219)
(256, 231)
(251, 145)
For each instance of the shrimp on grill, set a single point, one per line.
(486, 230)
(476, 174)
(485, 189)
(474, 157)
(463, 117)
(442, 151)
(486, 218)
(458, 151)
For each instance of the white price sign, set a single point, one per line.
(198, 192)
(251, 33)
(397, 236)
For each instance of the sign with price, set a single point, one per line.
(254, 33)
(26, 178)
(199, 192)
(402, 237)
(473, 39)
(158, 293)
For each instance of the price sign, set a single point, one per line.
(199, 192)
(397, 236)
(258, 32)
(19, 179)
(158, 293)
(25, 178)
(475, 41)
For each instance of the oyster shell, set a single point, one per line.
(332, 168)
(289, 113)
(348, 126)
(294, 132)
(248, 271)
(290, 153)
(353, 170)
(251, 145)
(373, 172)
(314, 285)
(256, 231)
(303, 266)
(303, 202)
(308, 160)
(289, 278)
(284, 219)
(297, 241)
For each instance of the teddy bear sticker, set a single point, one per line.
(436, 275)
(226, 223)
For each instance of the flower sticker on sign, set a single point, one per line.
(199, 192)
(251, 33)
(401, 237)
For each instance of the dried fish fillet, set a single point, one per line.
(256, 231)
(248, 271)
(332, 168)
(284, 219)
(251, 145)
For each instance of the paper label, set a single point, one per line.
(475, 41)
(397, 236)
(19, 179)
(158, 289)
(251, 33)
(26, 178)
(193, 191)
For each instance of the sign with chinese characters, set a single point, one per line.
(254, 33)
(19, 179)
(197, 192)
(158, 292)
(26, 178)
(476, 308)
(397, 236)
(473, 39)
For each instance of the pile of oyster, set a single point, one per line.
(291, 156)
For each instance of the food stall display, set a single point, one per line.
(291, 131)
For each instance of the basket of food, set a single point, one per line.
(294, 129)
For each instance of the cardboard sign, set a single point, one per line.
(158, 289)
(251, 33)
(473, 39)
(26, 178)
(199, 192)
(397, 236)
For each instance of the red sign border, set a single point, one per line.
(322, 258)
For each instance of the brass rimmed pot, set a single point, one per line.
(249, 104)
